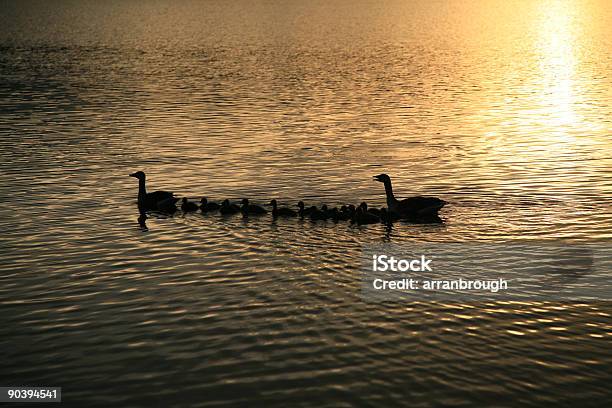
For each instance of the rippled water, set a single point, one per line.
(501, 109)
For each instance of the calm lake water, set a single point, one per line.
(504, 110)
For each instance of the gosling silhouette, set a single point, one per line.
(155, 201)
(374, 211)
(206, 206)
(304, 211)
(281, 212)
(188, 206)
(413, 207)
(345, 213)
(251, 209)
(334, 214)
(228, 209)
(319, 214)
(362, 217)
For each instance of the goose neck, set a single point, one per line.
(142, 190)
(389, 192)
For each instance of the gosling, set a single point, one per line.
(251, 209)
(281, 212)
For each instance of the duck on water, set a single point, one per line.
(412, 207)
(156, 201)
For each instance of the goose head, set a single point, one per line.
(139, 175)
(245, 201)
(301, 205)
(273, 203)
(225, 203)
(364, 206)
(383, 178)
(204, 201)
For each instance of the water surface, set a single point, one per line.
(501, 109)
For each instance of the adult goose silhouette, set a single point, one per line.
(412, 207)
(155, 201)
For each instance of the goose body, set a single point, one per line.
(155, 201)
(281, 212)
(228, 209)
(413, 207)
(188, 206)
(251, 209)
(206, 206)
(167, 206)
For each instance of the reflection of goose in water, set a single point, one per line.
(206, 206)
(157, 200)
(413, 207)
(251, 209)
(281, 212)
(228, 209)
(142, 221)
(188, 206)
(385, 216)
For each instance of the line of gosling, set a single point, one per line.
(361, 214)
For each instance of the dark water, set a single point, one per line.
(502, 110)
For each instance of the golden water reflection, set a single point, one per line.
(501, 108)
